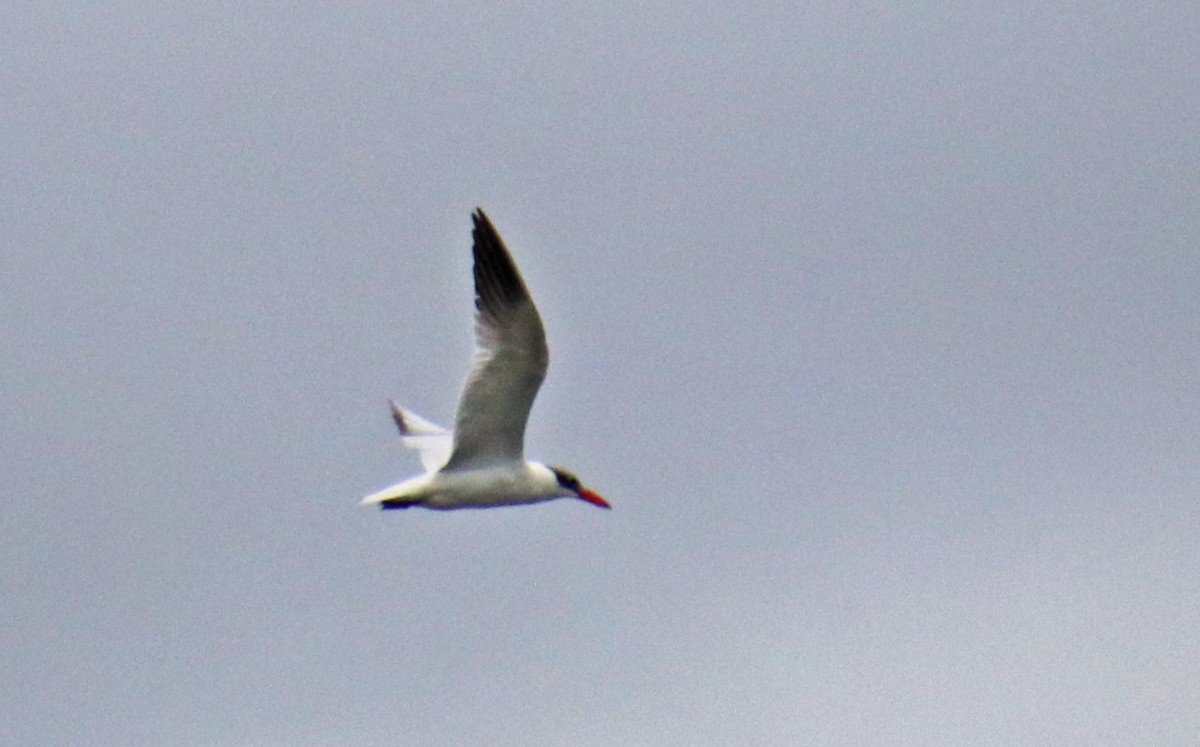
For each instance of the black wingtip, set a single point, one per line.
(483, 228)
(498, 283)
(398, 417)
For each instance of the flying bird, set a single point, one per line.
(482, 463)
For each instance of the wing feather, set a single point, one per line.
(431, 441)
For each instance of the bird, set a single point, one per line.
(481, 464)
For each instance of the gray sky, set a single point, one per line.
(877, 323)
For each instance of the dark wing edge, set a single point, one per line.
(498, 283)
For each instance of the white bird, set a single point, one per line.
(482, 464)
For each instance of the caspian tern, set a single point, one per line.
(482, 464)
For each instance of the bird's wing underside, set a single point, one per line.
(432, 442)
(510, 361)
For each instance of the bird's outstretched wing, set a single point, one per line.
(431, 441)
(510, 362)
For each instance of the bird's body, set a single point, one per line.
(504, 485)
(482, 463)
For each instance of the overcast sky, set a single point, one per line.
(877, 323)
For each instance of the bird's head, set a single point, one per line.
(570, 482)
